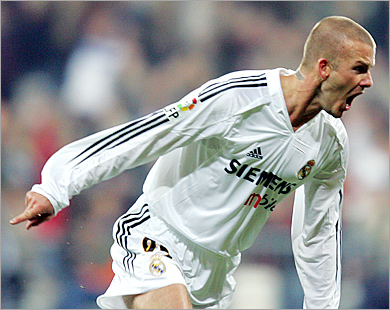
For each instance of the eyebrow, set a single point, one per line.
(365, 64)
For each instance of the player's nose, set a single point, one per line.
(367, 80)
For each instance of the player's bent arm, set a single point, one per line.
(101, 156)
(104, 155)
(85, 162)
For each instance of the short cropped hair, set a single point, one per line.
(330, 39)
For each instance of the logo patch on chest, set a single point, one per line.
(306, 169)
(255, 153)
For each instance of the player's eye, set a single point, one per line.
(361, 69)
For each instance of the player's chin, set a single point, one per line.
(336, 113)
(339, 114)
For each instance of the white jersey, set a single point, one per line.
(227, 155)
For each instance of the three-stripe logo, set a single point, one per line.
(256, 153)
(122, 135)
(236, 82)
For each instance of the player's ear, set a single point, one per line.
(324, 68)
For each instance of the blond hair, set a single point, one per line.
(331, 38)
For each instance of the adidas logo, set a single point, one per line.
(256, 153)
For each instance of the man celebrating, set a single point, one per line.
(227, 154)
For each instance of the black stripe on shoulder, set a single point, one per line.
(246, 81)
(165, 120)
(230, 87)
(123, 134)
(233, 80)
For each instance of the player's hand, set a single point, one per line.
(38, 210)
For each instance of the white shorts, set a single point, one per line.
(147, 255)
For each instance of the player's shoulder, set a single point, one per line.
(238, 77)
(243, 74)
(252, 83)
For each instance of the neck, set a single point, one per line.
(300, 92)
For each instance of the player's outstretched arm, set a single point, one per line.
(38, 210)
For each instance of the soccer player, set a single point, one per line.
(227, 154)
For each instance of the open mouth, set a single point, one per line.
(349, 101)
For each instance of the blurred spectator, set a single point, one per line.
(92, 74)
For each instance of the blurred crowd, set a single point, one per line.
(71, 68)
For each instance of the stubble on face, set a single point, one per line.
(345, 82)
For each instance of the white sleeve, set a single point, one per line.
(100, 156)
(316, 237)
(104, 155)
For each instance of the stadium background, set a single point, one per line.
(72, 68)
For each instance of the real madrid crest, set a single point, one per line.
(306, 169)
(157, 266)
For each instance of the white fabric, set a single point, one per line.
(207, 276)
(227, 154)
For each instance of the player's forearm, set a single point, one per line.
(318, 269)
